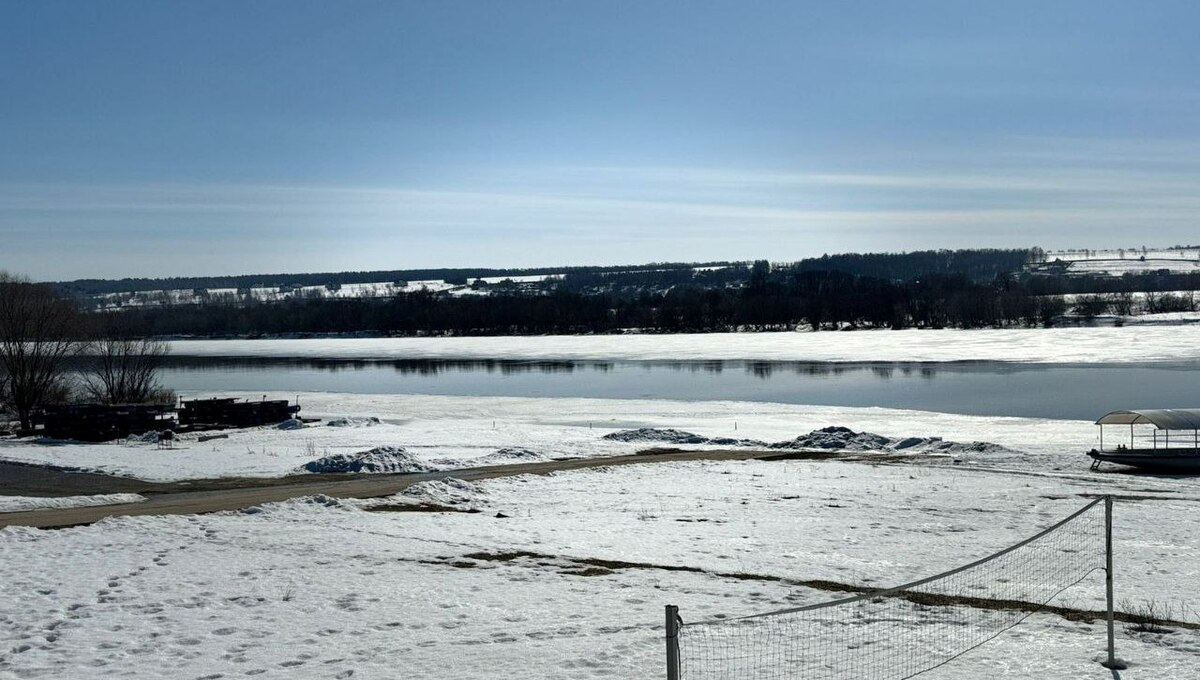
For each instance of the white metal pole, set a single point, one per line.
(1108, 579)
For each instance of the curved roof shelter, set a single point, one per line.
(1162, 418)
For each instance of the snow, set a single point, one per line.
(1117, 267)
(319, 588)
(656, 435)
(23, 503)
(188, 296)
(433, 286)
(838, 438)
(382, 459)
(1117, 263)
(449, 492)
(1163, 318)
(347, 421)
(1031, 345)
(447, 432)
(532, 278)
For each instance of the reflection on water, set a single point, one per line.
(982, 388)
(403, 366)
(432, 367)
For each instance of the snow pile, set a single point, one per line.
(508, 456)
(515, 454)
(291, 424)
(832, 438)
(652, 434)
(383, 459)
(24, 503)
(836, 438)
(349, 421)
(449, 491)
(150, 437)
(504, 456)
(671, 436)
(301, 504)
(936, 445)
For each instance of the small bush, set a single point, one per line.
(1148, 616)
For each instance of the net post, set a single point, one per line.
(1108, 580)
(672, 642)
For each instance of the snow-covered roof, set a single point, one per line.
(1162, 418)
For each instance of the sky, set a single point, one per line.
(166, 138)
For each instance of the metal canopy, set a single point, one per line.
(1162, 418)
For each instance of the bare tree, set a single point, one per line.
(1121, 303)
(123, 370)
(37, 336)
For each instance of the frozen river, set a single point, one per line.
(1068, 390)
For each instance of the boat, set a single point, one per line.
(1157, 451)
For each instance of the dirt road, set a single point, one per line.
(215, 495)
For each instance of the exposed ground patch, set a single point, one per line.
(591, 566)
(419, 507)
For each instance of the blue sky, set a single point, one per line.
(163, 138)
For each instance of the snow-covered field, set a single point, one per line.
(189, 296)
(1132, 261)
(527, 588)
(1036, 345)
(444, 432)
(318, 588)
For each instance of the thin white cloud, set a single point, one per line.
(1052, 193)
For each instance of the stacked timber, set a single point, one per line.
(102, 422)
(226, 412)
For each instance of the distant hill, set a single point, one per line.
(91, 287)
(975, 264)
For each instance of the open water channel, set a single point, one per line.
(1074, 391)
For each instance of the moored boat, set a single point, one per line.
(1154, 452)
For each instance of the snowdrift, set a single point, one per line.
(832, 438)
(384, 459)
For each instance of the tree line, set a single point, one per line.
(981, 264)
(770, 299)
